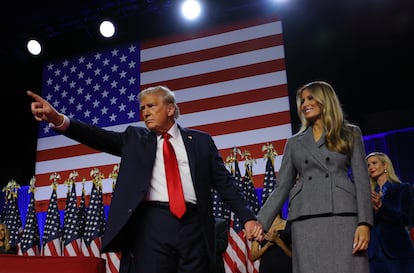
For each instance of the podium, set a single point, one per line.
(50, 264)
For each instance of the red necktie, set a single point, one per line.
(175, 189)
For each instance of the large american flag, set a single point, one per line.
(229, 80)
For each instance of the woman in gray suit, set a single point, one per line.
(324, 175)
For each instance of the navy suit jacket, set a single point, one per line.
(390, 222)
(137, 148)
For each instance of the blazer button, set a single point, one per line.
(310, 178)
(306, 161)
(129, 210)
(327, 159)
(327, 175)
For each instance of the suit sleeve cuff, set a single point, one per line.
(365, 224)
(63, 126)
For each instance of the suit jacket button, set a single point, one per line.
(129, 210)
(327, 159)
(310, 177)
(327, 175)
(306, 161)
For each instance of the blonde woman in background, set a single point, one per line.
(5, 247)
(390, 249)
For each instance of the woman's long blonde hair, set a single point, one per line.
(338, 130)
(6, 237)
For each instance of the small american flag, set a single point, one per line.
(12, 218)
(269, 180)
(235, 257)
(82, 212)
(95, 225)
(251, 195)
(71, 236)
(52, 234)
(248, 187)
(30, 243)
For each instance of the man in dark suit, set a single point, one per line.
(140, 223)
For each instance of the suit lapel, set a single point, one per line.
(150, 145)
(313, 147)
(189, 143)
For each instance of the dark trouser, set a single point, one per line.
(165, 244)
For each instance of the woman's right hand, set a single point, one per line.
(271, 236)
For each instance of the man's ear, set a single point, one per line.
(171, 109)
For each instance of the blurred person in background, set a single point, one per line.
(391, 249)
(5, 247)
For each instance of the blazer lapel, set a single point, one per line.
(313, 147)
(189, 143)
(150, 145)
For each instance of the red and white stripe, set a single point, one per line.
(93, 249)
(33, 251)
(53, 248)
(112, 261)
(236, 257)
(73, 248)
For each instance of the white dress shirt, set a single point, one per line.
(158, 190)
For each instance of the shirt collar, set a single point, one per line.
(174, 131)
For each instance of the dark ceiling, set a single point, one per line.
(363, 47)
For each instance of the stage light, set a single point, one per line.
(34, 47)
(107, 29)
(191, 9)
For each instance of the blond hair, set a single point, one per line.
(339, 136)
(389, 170)
(167, 95)
(6, 236)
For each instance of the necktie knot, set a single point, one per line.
(166, 136)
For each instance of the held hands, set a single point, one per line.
(271, 237)
(253, 230)
(43, 111)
